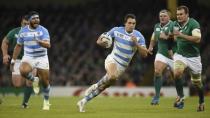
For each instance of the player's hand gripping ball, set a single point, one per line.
(107, 39)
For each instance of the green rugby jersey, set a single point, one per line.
(163, 45)
(184, 47)
(12, 38)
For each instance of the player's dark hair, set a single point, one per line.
(26, 17)
(127, 16)
(31, 13)
(185, 8)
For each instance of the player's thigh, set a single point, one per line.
(112, 71)
(179, 68)
(159, 67)
(161, 62)
(25, 68)
(43, 74)
(180, 63)
(17, 80)
(195, 65)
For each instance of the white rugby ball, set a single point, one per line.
(106, 38)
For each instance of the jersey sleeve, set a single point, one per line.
(111, 32)
(10, 35)
(141, 39)
(45, 35)
(20, 38)
(195, 25)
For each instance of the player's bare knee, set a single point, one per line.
(158, 72)
(112, 76)
(25, 68)
(17, 85)
(178, 74)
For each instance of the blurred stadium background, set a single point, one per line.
(74, 26)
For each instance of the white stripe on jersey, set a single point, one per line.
(115, 50)
(28, 43)
(36, 54)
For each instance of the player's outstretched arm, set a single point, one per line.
(16, 51)
(152, 43)
(4, 48)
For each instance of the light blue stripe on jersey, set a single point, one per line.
(124, 42)
(28, 37)
(124, 50)
(121, 57)
(124, 47)
(120, 63)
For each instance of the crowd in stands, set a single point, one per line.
(75, 59)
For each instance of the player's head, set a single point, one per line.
(34, 19)
(24, 20)
(182, 14)
(164, 16)
(130, 22)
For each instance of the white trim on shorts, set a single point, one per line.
(194, 63)
(37, 62)
(164, 59)
(17, 67)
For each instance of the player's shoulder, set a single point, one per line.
(157, 25)
(118, 28)
(42, 27)
(17, 29)
(137, 32)
(23, 29)
(193, 21)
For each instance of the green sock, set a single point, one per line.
(17, 91)
(158, 85)
(179, 87)
(27, 94)
(201, 94)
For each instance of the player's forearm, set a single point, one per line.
(4, 47)
(152, 44)
(45, 44)
(191, 38)
(16, 51)
(142, 51)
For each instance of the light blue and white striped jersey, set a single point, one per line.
(124, 48)
(27, 38)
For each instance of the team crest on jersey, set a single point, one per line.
(121, 35)
(31, 34)
(16, 35)
(157, 29)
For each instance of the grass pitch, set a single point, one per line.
(102, 107)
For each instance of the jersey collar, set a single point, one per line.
(184, 23)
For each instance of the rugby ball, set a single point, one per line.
(105, 37)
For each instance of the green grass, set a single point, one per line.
(102, 107)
